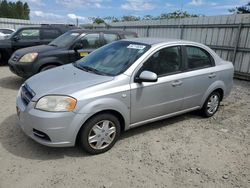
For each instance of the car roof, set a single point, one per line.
(152, 41)
(102, 30)
(156, 41)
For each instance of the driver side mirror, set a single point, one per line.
(16, 38)
(78, 46)
(146, 76)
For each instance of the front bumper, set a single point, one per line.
(22, 70)
(60, 127)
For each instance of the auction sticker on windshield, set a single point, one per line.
(136, 46)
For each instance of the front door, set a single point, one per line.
(88, 43)
(152, 100)
(26, 38)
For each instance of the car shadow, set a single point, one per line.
(159, 124)
(11, 82)
(16, 142)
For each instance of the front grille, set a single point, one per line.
(41, 135)
(27, 94)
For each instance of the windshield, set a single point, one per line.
(112, 59)
(65, 39)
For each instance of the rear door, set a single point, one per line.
(26, 37)
(89, 43)
(199, 75)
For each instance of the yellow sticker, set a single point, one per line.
(83, 54)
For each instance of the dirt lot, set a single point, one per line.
(185, 151)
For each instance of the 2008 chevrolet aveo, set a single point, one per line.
(120, 86)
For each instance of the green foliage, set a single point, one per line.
(17, 10)
(175, 14)
(241, 10)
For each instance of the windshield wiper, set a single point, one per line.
(90, 69)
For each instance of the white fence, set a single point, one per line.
(15, 23)
(228, 35)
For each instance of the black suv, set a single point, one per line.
(30, 36)
(67, 48)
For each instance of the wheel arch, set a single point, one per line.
(216, 86)
(109, 111)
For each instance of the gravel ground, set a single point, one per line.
(185, 151)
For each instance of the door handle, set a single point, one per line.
(212, 75)
(176, 83)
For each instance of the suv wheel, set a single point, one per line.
(100, 133)
(47, 67)
(211, 105)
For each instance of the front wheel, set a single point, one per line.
(100, 133)
(211, 105)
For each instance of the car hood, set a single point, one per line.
(39, 49)
(63, 80)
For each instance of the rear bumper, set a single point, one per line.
(58, 129)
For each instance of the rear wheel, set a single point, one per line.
(100, 133)
(211, 105)
(47, 67)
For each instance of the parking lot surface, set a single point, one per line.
(184, 151)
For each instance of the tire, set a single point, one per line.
(100, 133)
(47, 67)
(211, 104)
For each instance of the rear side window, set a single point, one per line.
(50, 33)
(198, 58)
(108, 37)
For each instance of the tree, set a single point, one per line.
(245, 9)
(18, 10)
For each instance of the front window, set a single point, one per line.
(65, 39)
(113, 59)
(29, 34)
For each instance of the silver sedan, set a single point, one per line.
(120, 86)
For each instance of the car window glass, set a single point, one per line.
(164, 61)
(198, 58)
(6, 31)
(50, 33)
(29, 34)
(90, 41)
(108, 37)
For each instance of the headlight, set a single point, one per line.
(28, 58)
(56, 103)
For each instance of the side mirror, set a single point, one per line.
(16, 38)
(146, 76)
(78, 46)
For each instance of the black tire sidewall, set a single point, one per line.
(84, 132)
